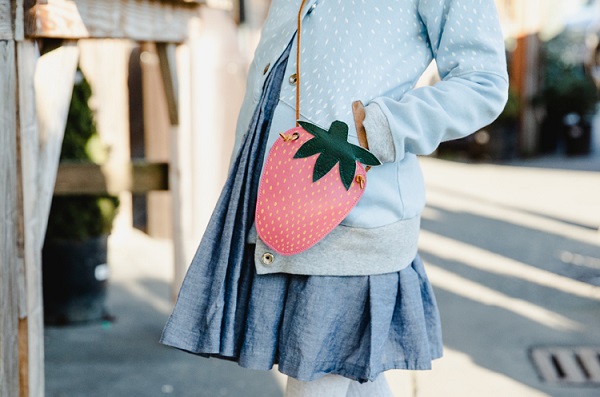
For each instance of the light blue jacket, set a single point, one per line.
(375, 51)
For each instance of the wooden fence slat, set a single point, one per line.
(11, 20)
(19, 25)
(45, 87)
(6, 29)
(9, 354)
(28, 141)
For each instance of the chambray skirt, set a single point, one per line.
(354, 326)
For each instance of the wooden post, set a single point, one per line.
(9, 236)
(180, 162)
(35, 93)
(524, 69)
(211, 74)
(157, 139)
(217, 80)
(45, 88)
(104, 63)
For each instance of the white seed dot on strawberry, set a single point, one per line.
(282, 172)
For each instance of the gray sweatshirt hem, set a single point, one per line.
(347, 251)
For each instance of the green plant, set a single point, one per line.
(79, 217)
(567, 86)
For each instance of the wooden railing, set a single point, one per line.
(112, 178)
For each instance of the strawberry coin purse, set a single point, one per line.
(311, 180)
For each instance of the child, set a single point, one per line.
(338, 314)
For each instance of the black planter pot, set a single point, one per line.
(74, 280)
(552, 132)
(569, 134)
(578, 138)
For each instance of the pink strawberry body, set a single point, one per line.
(293, 212)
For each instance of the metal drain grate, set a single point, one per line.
(576, 366)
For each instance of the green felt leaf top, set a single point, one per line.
(333, 148)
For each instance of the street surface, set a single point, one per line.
(513, 252)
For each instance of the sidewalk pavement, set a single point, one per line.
(513, 252)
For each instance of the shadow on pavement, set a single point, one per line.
(124, 358)
(540, 248)
(463, 195)
(511, 315)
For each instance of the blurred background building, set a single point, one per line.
(552, 49)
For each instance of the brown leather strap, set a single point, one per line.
(358, 110)
(299, 38)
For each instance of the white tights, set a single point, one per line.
(337, 386)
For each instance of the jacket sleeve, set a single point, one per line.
(467, 44)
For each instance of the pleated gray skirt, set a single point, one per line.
(354, 326)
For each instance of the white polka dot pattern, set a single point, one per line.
(375, 51)
(362, 49)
